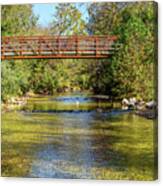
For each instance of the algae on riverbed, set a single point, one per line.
(97, 145)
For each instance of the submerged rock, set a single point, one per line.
(147, 113)
(124, 107)
(99, 110)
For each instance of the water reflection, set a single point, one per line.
(82, 148)
(74, 99)
(106, 144)
(70, 104)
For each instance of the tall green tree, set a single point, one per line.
(104, 17)
(67, 20)
(136, 59)
(132, 67)
(17, 20)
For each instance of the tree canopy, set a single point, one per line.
(129, 72)
(68, 20)
(17, 20)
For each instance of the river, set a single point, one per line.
(77, 136)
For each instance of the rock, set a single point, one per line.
(151, 104)
(30, 94)
(147, 113)
(132, 102)
(140, 105)
(17, 101)
(99, 110)
(124, 107)
(125, 102)
(66, 89)
(21, 102)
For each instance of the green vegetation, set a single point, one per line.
(130, 72)
(18, 20)
(97, 144)
(68, 21)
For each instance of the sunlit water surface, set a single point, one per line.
(77, 137)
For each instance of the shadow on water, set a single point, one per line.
(105, 144)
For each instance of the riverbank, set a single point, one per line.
(17, 103)
(147, 113)
(73, 102)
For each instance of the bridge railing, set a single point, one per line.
(20, 47)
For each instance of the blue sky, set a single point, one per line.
(46, 12)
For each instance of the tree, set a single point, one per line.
(17, 20)
(67, 20)
(104, 17)
(135, 61)
(129, 72)
(14, 79)
(132, 66)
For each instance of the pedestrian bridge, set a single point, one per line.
(57, 47)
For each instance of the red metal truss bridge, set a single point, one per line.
(57, 47)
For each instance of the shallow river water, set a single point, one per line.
(77, 137)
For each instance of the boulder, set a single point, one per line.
(151, 104)
(132, 102)
(125, 102)
(30, 94)
(124, 107)
(140, 105)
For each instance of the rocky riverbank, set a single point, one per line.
(147, 113)
(141, 108)
(16, 103)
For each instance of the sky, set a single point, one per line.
(46, 12)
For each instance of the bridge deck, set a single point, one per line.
(39, 47)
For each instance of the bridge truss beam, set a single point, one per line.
(57, 47)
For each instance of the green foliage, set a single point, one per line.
(43, 77)
(103, 17)
(17, 20)
(132, 68)
(129, 72)
(135, 67)
(14, 79)
(68, 20)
